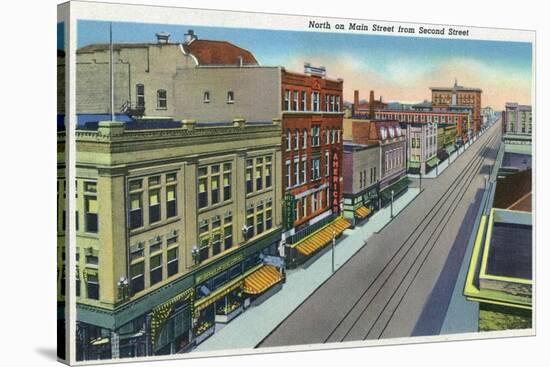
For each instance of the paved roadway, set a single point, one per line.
(387, 289)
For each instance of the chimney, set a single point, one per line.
(162, 37)
(189, 37)
(356, 98)
(371, 105)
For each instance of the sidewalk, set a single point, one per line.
(247, 330)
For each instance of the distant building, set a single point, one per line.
(457, 95)
(361, 173)
(421, 147)
(363, 109)
(517, 119)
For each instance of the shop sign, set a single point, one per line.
(288, 211)
(335, 184)
(218, 268)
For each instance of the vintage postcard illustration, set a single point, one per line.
(233, 182)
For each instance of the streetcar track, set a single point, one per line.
(439, 227)
(425, 222)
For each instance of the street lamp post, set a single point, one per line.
(391, 206)
(420, 188)
(333, 248)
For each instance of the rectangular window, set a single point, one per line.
(137, 282)
(304, 139)
(304, 170)
(92, 260)
(288, 140)
(259, 177)
(172, 261)
(90, 203)
(268, 175)
(296, 139)
(259, 223)
(206, 97)
(315, 132)
(332, 103)
(337, 103)
(93, 286)
(303, 206)
(286, 105)
(327, 163)
(315, 101)
(315, 173)
(216, 244)
(296, 172)
(215, 189)
(296, 104)
(250, 222)
(140, 95)
(171, 207)
(203, 194)
(288, 175)
(155, 267)
(230, 97)
(203, 253)
(327, 105)
(304, 101)
(228, 236)
(268, 219)
(154, 206)
(249, 183)
(226, 186)
(161, 99)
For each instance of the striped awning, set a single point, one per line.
(261, 280)
(322, 237)
(216, 295)
(362, 212)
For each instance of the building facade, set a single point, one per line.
(517, 119)
(171, 231)
(421, 147)
(361, 171)
(457, 95)
(392, 140)
(312, 138)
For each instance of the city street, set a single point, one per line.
(387, 288)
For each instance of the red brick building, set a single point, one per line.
(312, 116)
(366, 109)
(457, 95)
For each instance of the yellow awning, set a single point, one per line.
(261, 279)
(362, 212)
(216, 295)
(321, 238)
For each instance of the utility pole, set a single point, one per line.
(333, 248)
(391, 207)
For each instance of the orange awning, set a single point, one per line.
(362, 212)
(261, 279)
(321, 238)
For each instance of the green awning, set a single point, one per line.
(450, 148)
(432, 162)
(414, 164)
(397, 187)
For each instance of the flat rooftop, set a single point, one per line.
(510, 251)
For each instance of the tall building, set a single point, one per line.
(312, 116)
(456, 96)
(172, 232)
(517, 119)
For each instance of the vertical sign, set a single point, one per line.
(335, 183)
(288, 212)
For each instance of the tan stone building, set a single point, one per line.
(167, 237)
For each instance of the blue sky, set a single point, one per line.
(399, 68)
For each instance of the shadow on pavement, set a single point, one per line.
(435, 309)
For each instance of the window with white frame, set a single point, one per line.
(287, 100)
(337, 103)
(296, 139)
(296, 172)
(304, 101)
(315, 101)
(296, 105)
(304, 170)
(315, 174)
(315, 132)
(327, 162)
(304, 139)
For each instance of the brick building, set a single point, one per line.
(457, 95)
(363, 109)
(312, 116)
(392, 141)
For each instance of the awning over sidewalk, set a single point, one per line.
(397, 188)
(261, 280)
(321, 238)
(413, 164)
(217, 294)
(362, 212)
(450, 148)
(432, 162)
